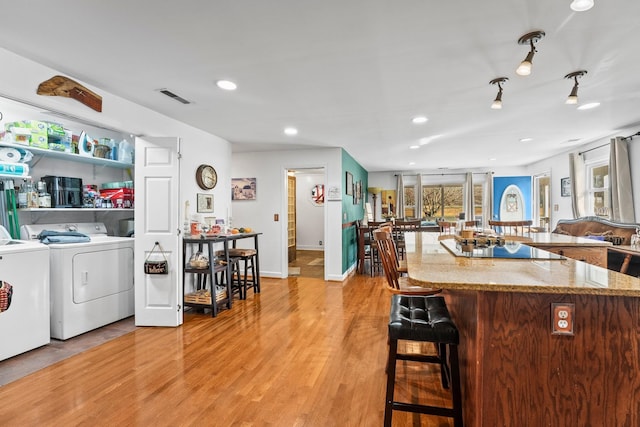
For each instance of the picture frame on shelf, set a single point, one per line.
(205, 203)
(565, 187)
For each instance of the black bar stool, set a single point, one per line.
(427, 319)
(247, 257)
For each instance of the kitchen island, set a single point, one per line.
(515, 371)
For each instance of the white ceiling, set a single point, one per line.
(352, 73)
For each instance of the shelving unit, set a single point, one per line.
(208, 276)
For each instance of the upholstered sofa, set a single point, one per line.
(616, 232)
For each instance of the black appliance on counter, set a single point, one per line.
(65, 192)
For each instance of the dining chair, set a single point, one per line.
(511, 228)
(367, 251)
(446, 227)
(401, 227)
(396, 283)
(401, 263)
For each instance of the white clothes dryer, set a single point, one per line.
(91, 282)
(24, 295)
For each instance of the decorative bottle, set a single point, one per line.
(32, 195)
(44, 198)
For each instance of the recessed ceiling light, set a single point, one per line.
(226, 85)
(414, 147)
(412, 163)
(492, 159)
(589, 106)
(419, 119)
(526, 139)
(291, 131)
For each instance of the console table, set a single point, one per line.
(205, 244)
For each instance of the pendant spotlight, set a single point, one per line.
(573, 96)
(524, 69)
(581, 5)
(497, 103)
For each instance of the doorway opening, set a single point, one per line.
(306, 222)
(541, 201)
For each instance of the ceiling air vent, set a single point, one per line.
(174, 96)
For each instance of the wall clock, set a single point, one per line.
(206, 177)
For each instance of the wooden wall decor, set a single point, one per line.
(64, 86)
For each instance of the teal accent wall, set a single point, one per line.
(351, 212)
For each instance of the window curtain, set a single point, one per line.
(400, 196)
(419, 201)
(622, 209)
(578, 184)
(487, 199)
(467, 201)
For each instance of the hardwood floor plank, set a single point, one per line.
(304, 352)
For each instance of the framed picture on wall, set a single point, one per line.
(348, 185)
(565, 187)
(205, 203)
(243, 188)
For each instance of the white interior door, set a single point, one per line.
(158, 297)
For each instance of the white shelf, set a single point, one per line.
(69, 156)
(77, 210)
(14, 177)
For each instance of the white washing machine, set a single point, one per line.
(91, 282)
(24, 295)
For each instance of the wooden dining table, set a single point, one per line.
(516, 368)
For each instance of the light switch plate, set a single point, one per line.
(562, 317)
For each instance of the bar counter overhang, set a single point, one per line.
(515, 372)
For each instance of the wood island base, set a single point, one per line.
(515, 372)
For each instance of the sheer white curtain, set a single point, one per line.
(399, 196)
(578, 184)
(620, 181)
(419, 201)
(467, 201)
(487, 199)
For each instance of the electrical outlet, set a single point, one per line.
(562, 315)
(320, 242)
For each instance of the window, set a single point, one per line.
(443, 201)
(410, 202)
(598, 189)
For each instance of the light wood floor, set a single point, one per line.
(307, 262)
(304, 352)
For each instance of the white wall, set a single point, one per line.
(20, 78)
(309, 216)
(270, 169)
(558, 166)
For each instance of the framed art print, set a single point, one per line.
(348, 185)
(565, 187)
(205, 203)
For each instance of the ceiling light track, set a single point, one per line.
(572, 99)
(524, 69)
(497, 103)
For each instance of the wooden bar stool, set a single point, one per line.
(427, 319)
(247, 257)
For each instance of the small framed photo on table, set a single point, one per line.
(205, 203)
(565, 187)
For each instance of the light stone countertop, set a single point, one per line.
(431, 265)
